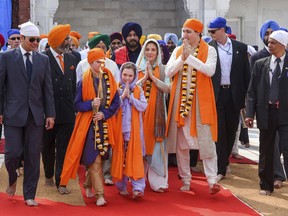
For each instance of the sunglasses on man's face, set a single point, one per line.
(32, 39)
(213, 31)
(14, 38)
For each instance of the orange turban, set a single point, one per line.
(58, 34)
(43, 36)
(194, 24)
(75, 41)
(95, 54)
(92, 34)
(76, 35)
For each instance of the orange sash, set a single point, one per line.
(206, 98)
(134, 166)
(149, 116)
(82, 123)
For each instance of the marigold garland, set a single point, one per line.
(104, 146)
(148, 89)
(186, 102)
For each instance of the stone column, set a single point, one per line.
(192, 8)
(222, 7)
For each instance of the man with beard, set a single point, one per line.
(115, 43)
(63, 70)
(131, 32)
(171, 41)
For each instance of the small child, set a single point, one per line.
(96, 102)
(132, 149)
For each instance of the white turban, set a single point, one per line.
(29, 29)
(281, 36)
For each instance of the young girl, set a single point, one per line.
(96, 102)
(154, 121)
(131, 150)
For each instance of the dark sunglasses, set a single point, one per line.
(32, 39)
(14, 38)
(213, 31)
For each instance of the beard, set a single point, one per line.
(171, 48)
(132, 44)
(64, 48)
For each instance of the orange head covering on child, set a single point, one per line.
(76, 35)
(95, 54)
(58, 34)
(75, 41)
(194, 24)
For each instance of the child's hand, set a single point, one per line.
(127, 90)
(96, 102)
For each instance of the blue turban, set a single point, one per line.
(171, 36)
(161, 42)
(268, 24)
(128, 27)
(284, 29)
(220, 22)
(207, 39)
(13, 31)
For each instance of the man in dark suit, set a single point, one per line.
(267, 98)
(230, 83)
(266, 30)
(63, 69)
(26, 98)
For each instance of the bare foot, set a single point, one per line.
(31, 202)
(124, 193)
(160, 190)
(137, 194)
(89, 193)
(264, 192)
(215, 188)
(101, 201)
(11, 189)
(185, 187)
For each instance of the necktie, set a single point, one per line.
(28, 65)
(60, 57)
(274, 88)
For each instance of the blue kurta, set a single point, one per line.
(89, 153)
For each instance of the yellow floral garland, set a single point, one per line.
(186, 102)
(103, 147)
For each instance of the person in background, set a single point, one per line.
(115, 43)
(171, 41)
(13, 38)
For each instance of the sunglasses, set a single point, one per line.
(14, 38)
(32, 39)
(213, 31)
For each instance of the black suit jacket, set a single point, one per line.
(18, 95)
(64, 87)
(239, 76)
(258, 93)
(258, 55)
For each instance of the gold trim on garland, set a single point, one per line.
(103, 147)
(186, 102)
(148, 84)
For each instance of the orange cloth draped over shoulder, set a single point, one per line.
(206, 100)
(82, 123)
(134, 166)
(149, 115)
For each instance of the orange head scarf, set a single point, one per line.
(95, 54)
(58, 34)
(194, 24)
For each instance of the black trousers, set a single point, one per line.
(24, 141)
(228, 120)
(267, 142)
(54, 148)
(244, 137)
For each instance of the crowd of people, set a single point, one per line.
(127, 106)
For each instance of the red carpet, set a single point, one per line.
(242, 161)
(174, 202)
(2, 145)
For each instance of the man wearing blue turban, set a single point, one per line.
(230, 82)
(171, 41)
(13, 38)
(132, 33)
(266, 30)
